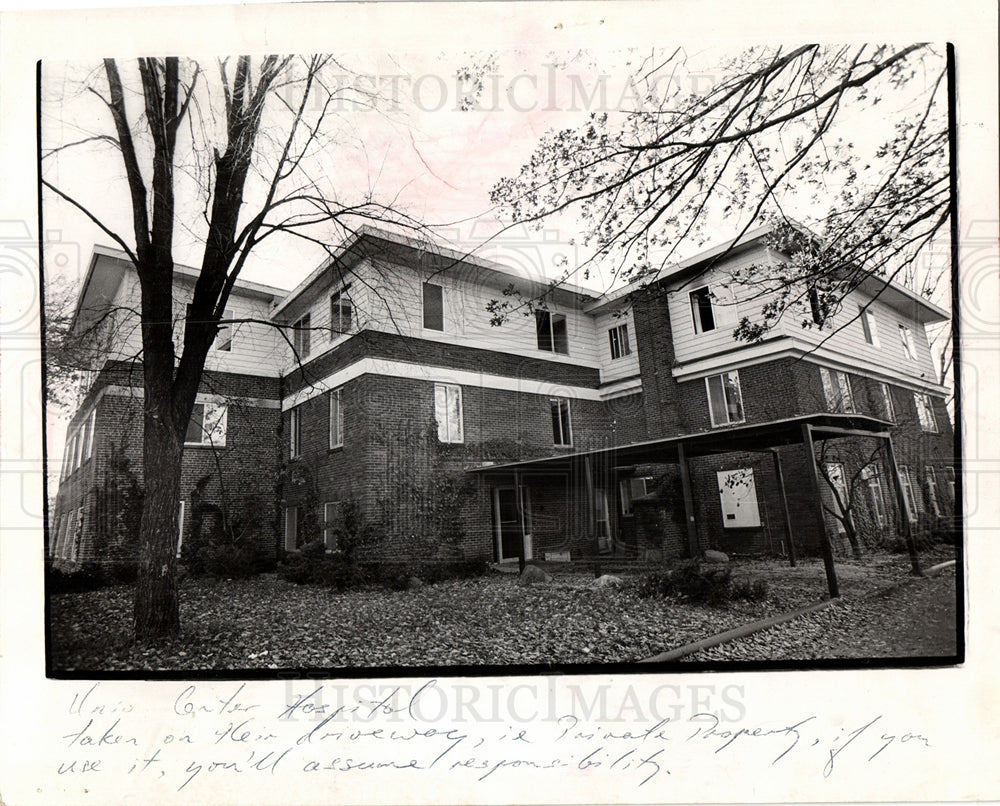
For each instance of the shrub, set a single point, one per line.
(692, 582)
(88, 577)
(327, 570)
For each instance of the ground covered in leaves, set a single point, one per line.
(268, 623)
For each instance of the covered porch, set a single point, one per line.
(571, 503)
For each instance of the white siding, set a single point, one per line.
(840, 336)
(389, 298)
(618, 368)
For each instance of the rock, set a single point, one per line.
(413, 583)
(608, 580)
(533, 574)
(712, 556)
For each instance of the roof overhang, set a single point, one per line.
(741, 438)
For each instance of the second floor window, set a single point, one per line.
(868, 326)
(550, 330)
(340, 314)
(725, 400)
(294, 432)
(301, 336)
(562, 426)
(336, 419)
(925, 412)
(433, 307)
(888, 410)
(224, 338)
(618, 336)
(906, 338)
(701, 310)
(837, 390)
(207, 425)
(448, 412)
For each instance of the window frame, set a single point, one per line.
(619, 341)
(700, 302)
(223, 329)
(839, 397)
(869, 328)
(557, 406)
(925, 412)
(339, 301)
(949, 477)
(838, 480)
(295, 432)
(206, 440)
(888, 407)
(546, 323)
(302, 336)
(909, 347)
(722, 477)
(876, 494)
(930, 481)
(424, 307)
(909, 497)
(295, 511)
(336, 437)
(328, 529)
(449, 390)
(739, 391)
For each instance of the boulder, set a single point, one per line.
(608, 580)
(413, 583)
(533, 574)
(716, 557)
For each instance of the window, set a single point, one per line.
(930, 478)
(562, 429)
(602, 519)
(293, 519)
(818, 307)
(340, 314)
(907, 484)
(86, 438)
(294, 432)
(448, 412)
(701, 310)
(725, 402)
(618, 336)
(925, 412)
(631, 489)
(906, 337)
(876, 495)
(433, 307)
(949, 477)
(550, 330)
(207, 425)
(92, 430)
(835, 473)
(301, 336)
(837, 390)
(331, 524)
(868, 325)
(224, 336)
(888, 410)
(336, 419)
(738, 496)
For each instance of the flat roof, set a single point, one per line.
(752, 437)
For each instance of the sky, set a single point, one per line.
(419, 151)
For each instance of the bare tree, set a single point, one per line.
(238, 138)
(763, 144)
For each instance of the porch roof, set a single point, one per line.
(753, 437)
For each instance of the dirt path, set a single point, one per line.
(916, 618)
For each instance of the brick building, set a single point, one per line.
(631, 422)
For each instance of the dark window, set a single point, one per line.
(551, 332)
(701, 310)
(340, 314)
(562, 430)
(302, 336)
(433, 307)
(618, 336)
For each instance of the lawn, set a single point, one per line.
(268, 623)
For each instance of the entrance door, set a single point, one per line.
(508, 522)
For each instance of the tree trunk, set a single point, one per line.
(156, 613)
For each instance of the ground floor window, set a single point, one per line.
(293, 523)
(876, 495)
(562, 427)
(630, 489)
(331, 523)
(907, 484)
(448, 412)
(949, 477)
(738, 495)
(930, 477)
(207, 425)
(838, 481)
